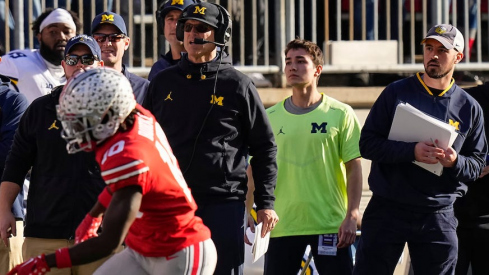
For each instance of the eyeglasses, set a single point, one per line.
(115, 37)
(201, 28)
(86, 59)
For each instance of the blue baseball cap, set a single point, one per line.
(170, 5)
(85, 40)
(109, 17)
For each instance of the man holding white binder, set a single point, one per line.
(410, 204)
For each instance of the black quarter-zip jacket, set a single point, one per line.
(63, 187)
(212, 127)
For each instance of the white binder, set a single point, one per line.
(412, 125)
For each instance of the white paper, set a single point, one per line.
(260, 245)
(412, 125)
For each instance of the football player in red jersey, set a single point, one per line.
(151, 208)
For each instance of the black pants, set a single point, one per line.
(284, 257)
(226, 222)
(473, 249)
(386, 228)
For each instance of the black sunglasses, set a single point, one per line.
(86, 59)
(115, 37)
(201, 28)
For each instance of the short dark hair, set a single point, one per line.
(310, 47)
(36, 25)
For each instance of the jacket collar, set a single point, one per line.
(207, 68)
(447, 91)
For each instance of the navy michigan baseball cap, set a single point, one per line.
(170, 5)
(85, 40)
(109, 17)
(448, 35)
(204, 12)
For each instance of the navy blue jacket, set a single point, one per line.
(472, 210)
(164, 62)
(393, 175)
(139, 85)
(63, 187)
(12, 105)
(211, 129)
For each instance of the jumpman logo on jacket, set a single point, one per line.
(169, 97)
(281, 132)
(53, 126)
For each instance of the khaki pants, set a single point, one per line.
(35, 246)
(10, 258)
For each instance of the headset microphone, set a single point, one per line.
(200, 41)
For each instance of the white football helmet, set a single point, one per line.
(92, 106)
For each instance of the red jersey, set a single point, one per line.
(142, 156)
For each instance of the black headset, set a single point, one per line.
(224, 25)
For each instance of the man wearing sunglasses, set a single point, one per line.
(36, 72)
(167, 16)
(213, 117)
(63, 187)
(109, 30)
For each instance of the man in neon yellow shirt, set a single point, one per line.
(319, 171)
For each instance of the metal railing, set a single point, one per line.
(261, 29)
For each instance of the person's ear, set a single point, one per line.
(63, 64)
(459, 57)
(319, 69)
(127, 41)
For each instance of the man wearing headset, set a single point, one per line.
(167, 16)
(213, 118)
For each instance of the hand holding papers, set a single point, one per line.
(412, 125)
(260, 245)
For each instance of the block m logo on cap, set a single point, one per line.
(200, 10)
(177, 2)
(107, 17)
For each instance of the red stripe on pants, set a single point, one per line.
(196, 264)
